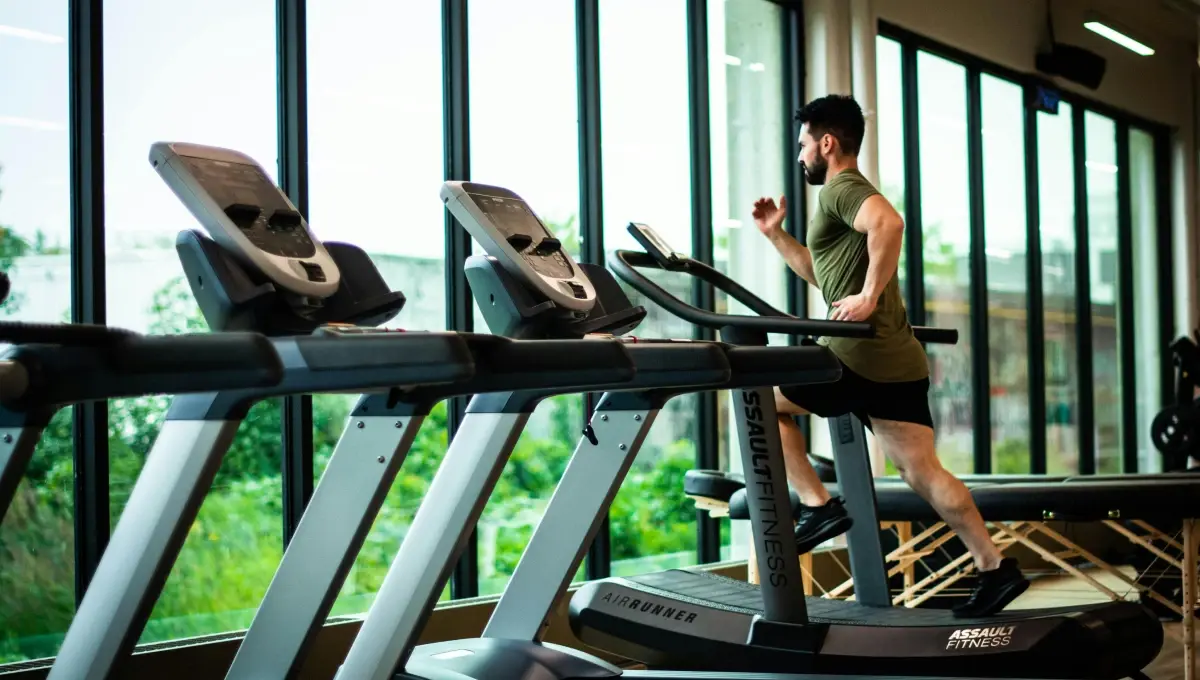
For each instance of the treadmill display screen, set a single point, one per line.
(237, 184)
(512, 217)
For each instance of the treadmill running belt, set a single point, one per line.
(712, 590)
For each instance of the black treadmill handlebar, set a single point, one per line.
(626, 262)
(96, 363)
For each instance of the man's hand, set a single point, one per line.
(853, 308)
(767, 216)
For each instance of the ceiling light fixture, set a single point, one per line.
(1104, 28)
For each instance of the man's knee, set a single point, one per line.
(785, 407)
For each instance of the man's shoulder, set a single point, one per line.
(847, 185)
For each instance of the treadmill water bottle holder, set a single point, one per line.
(232, 297)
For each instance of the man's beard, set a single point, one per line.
(816, 174)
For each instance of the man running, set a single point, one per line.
(852, 256)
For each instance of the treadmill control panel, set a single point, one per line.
(510, 231)
(244, 211)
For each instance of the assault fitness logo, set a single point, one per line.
(976, 638)
(648, 607)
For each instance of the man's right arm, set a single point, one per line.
(797, 256)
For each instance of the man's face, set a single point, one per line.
(812, 162)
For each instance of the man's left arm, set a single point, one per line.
(885, 233)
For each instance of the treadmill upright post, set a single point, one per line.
(853, 466)
(182, 463)
(571, 519)
(455, 500)
(369, 454)
(770, 505)
(17, 443)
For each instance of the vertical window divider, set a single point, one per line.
(457, 166)
(1035, 319)
(90, 420)
(591, 208)
(1126, 330)
(297, 416)
(914, 240)
(708, 537)
(980, 354)
(1085, 415)
(795, 70)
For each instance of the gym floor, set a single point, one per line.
(1057, 590)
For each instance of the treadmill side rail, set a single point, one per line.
(452, 505)
(576, 510)
(144, 545)
(335, 524)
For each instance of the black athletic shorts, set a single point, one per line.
(906, 402)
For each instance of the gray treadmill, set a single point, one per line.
(259, 267)
(515, 300)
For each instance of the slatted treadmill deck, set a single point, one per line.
(711, 590)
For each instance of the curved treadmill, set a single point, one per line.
(689, 619)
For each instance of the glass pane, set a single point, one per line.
(889, 126)
(1101, 165)
(946, 232)
(1004, 222)
(375, 130)
(1056, 210)
(749, 130)
(525, 52)
(1146, 341)
(644, 115)
(37, 537)
(234, 546)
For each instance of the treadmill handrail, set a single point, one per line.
(626, 262)
(127, 364)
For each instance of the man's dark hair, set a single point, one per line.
(838, 115)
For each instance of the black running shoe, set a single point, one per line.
(996, 589)
(817, 524)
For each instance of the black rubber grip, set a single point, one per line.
(381, 350)
(72, 334)
(771, 366)
(679, 364)
(510, 365)
(938, 336)
(249, 359)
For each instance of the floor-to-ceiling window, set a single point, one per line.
(889, 130)
(945, 231)
(1086, 263)
(1003, 115)
(1147, 343)
(157, 57)
(524, 137)
(365, 77)
(646, 161)
(37, 537)
(1100, 148)
(749, 133)
(1056, 219)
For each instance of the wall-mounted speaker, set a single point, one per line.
(1073, 63)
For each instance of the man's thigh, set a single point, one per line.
(908, 445)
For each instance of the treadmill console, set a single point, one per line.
(656, 246)
(508, 229)
(242, 209)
